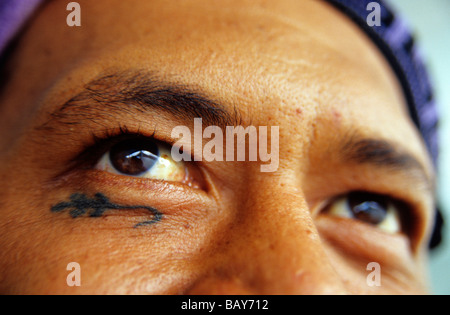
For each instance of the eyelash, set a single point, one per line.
(104, 140)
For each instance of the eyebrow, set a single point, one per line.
(384, 154)
(140, 91)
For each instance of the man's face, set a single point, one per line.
(353, 184)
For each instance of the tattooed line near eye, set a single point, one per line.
(81, 204)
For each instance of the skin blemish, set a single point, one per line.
(337, 117)
(81, 204)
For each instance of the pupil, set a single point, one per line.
(367, 207)
(134, 157)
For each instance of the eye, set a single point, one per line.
(378, 210)
(143, 157)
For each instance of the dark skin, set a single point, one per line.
(226, 227)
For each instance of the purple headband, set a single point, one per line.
(13, 14)
(392, 37)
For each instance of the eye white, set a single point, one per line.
(391, 223)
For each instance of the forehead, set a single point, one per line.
(271, 59)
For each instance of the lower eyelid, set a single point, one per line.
(194, 178)
(163, 195)
(356, 239)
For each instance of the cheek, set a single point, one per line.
(352, 247)
(114, 257)
(361, 277)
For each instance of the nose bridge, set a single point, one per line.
(272, 247)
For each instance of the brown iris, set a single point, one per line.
(134, 157)
(367, 207)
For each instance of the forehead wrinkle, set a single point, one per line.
(319, 35)
(294, 29)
